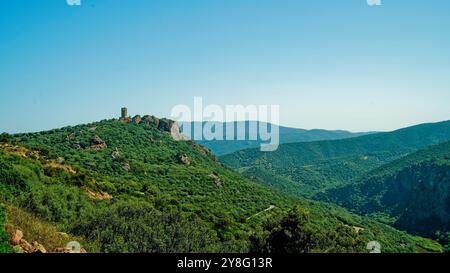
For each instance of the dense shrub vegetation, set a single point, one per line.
(131, 188)
(139, 227)
(293, 234)
(444, 239)
(414, 191)
(4, 137)
(398, 178)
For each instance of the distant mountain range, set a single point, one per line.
(286, 135)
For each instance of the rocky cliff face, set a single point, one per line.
(423, 198)
(98, 144)
(417, 197)
(162, 124)
(412, 193)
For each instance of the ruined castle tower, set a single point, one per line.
(124, 112)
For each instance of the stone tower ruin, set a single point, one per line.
(124, 112)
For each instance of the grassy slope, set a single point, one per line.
(37, 230)
(173, 197)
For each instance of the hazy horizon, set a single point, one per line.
(335, 65)
(280, 125)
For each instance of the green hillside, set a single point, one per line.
(313, 167)
(413, 191)
(128, 187)
(4, 245)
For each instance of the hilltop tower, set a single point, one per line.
(124, 113)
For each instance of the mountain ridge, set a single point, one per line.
(315, 166)
(286, 135)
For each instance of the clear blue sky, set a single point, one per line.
(333, 64)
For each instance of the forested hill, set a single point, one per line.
(127, 186)
(311, 167)
(413, 191)
(286, 135)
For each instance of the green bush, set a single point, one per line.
(12, 182)
(4, 137)
(444, 239)
(294, 233)
(4, 239)
(136, 227)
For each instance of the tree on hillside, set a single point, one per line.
(4, 137)
(290, 235)
(444, 239)
(295, 233)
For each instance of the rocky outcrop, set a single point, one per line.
(115, 154)
(66, 168)
(20, 245)
(156, 122)
(38, 248)
(17, 237)
(147, 119)
(97, 195)
(137, 119)
(183, 159)
(98, 144)
(25, 246)
(163, 124)
(126, 167)
(216, 180)
(71, 136)
(77, 145)
(176, 134)
(125, 120)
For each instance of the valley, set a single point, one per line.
(399, 178)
